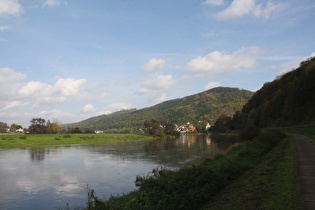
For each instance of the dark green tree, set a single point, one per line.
(38, 126)
(3, 127)
(223, 123)
(75, 130)
(15, 126)
(153, 127)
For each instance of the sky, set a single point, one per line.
(69, 60)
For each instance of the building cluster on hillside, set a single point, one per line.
(189, 128)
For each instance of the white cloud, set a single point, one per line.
(10, 8)
(10, 81)
(51, 3)
(157, 87)
(239, 8)
(157, 98)
(4, 28)
(266, 12)
(58, 114)
(69, 87)
(37, 93)
(8, 75)
(154, 64)
(217, 63)
(114, 107)
(208, 35)
(214, 2)
(211, 85)
(14, 104)
(88, 108)
(157, 84)
(46, 94)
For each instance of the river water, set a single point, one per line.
(51, 177)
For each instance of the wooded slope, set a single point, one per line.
(288, 100)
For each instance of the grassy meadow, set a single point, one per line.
(21, 140)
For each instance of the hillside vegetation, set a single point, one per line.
(205, 106)
(286, 101)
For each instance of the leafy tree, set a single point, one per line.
(15, 126)
(223, 123)
(55, 126)
(153, 127)
(3, 127)
(38, 126)
(75, 130)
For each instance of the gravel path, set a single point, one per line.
(305, 160)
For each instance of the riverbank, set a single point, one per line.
(191, 188)
(21, 140)
(272, 184)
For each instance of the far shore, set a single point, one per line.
(30, 140)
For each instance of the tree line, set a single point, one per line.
(4, 127)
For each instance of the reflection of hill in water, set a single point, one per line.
(168, 152)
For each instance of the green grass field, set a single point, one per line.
(21, 140)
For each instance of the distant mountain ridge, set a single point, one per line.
(204, 106)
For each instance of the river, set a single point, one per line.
(50, 177)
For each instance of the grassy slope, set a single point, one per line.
(270, 185)
(50, 139)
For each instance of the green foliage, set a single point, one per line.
(249, 133)
(205, 106)
(188, 188)
(75, 130)
(223, 123)
(288, 100)
(3, 127)
(38, 126)
(153, 127)
(67, 136)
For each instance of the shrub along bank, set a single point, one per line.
(190, 188)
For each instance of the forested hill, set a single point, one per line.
(204, 106)
(288, 100)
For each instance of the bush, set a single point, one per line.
(249, 133)
(67, 136)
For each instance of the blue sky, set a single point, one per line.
(69, 60)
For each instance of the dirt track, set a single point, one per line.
(305, 160)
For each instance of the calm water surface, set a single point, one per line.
(52, 177)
